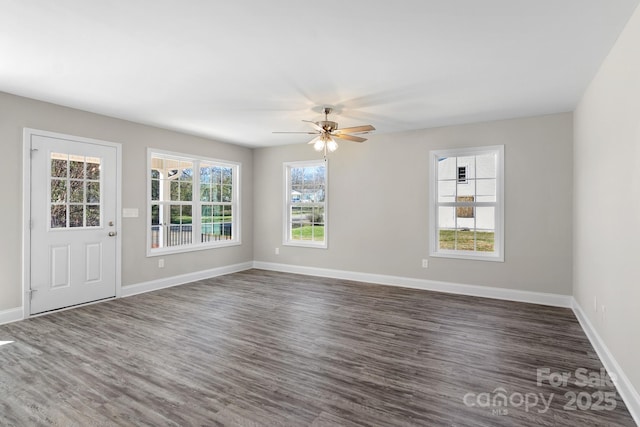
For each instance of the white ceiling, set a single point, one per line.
(237, 70)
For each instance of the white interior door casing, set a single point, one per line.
(73, 225)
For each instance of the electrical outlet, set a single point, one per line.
(425, 263)
(161, 263)
(277, 251)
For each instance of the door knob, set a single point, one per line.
(112, 233)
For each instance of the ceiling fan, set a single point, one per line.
(328, 130)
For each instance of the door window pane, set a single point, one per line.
(58, 216)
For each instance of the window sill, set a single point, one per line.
(191, 248)
(468, 256)
(306, 245)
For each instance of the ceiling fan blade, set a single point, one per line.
(355, 129)
(315, 125)
(350, 138)
(309, 133)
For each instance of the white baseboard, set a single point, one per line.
(555, 300)
(167, 282)
(11, 315)
(627, 391)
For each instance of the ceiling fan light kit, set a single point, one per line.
(327, 130)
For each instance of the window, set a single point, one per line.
(193, 203)
(306, 204)
(74, 191)
(467, 203)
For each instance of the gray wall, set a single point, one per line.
(17, 113)
(378, 207)
(607, 201)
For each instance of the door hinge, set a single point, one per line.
(33, 150)
(30, 292)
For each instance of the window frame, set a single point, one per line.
(434, 249)
(196, 204)
(286, 231)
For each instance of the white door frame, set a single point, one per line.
(26, 210)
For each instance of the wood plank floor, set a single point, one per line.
(260, 348)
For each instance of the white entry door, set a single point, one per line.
(73, 222)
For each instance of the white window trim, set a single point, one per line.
(286, 241)
(236, 205)
(434, 250)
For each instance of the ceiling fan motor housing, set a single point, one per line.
(328, 125)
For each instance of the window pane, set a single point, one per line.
(487, 190)
(227, 175)
(186, 172)
(296, 231)
(318, 232)
(76, 216)
(76, 169)
(465, 239)
(155, 189)
(77, 191)
(309, 177)
(175, 190)
(155, 215)
(93, 192)
(485, 218)
(58, 165)
(205, 193)
(176, 214)
(487, 165)
(320, 176)
(187, 214)
(447, 239)
(58, 216)
(216, 176)
(316, 215)
(296, 213)
(93, 168)
(205, 174)
(306, 230)
(447, 168)
(93, 216)
(186, 191)
(226, 230)
(468, 162)
(296, 177)
(465, 211)
(227, 191)
(486, 241)
(446, 191)
(216, 193)
(467, 188)
(446, 217)
(58, 190)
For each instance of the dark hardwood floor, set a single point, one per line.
(260, 348)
